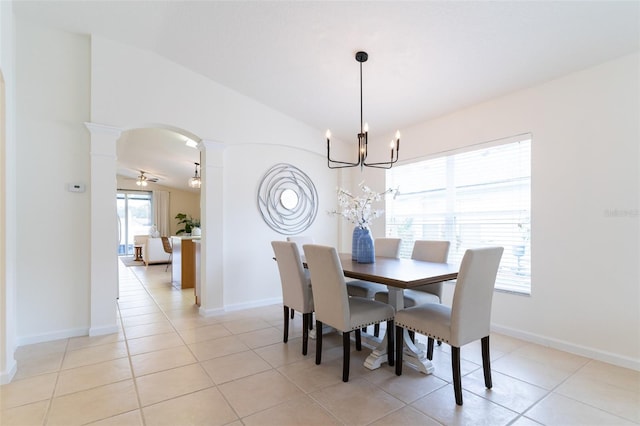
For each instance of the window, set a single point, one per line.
(134, 218)
(473, 198)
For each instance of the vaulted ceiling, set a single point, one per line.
(426, 58)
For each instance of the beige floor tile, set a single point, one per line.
(91, 376)
(88, 341)
(356, 402)
(311, 377)
(441, 405)
(299, 411)
(534, 371)
(623, 378)
(165, 359)
(408, 416)
(139, 311)
(40, 349)
(144, 319)
(131, 418)
(157, 387)
(258, 392)
(206, 332)
(442, 366)
(217, 347)
(507, 391)
(280, 354)
(94, 355)
(154, 343)
(36, 365)
(263, 337)
(524, 421)
(560, 410)
(605, 396)
(143, 330)
(26, 391)
(232, 367)
(408, 387)
(559, 359)
(246, 325)
(30, 414)
(205, 407)
(94, 404)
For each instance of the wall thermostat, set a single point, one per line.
(75, 187)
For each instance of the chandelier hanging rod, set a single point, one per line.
(363, 138)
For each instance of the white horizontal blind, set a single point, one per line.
(477, 198)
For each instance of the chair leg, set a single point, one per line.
(292, 311)
(358, 340)
(318, 342)
(412, 336)
(376, 330)
(346, 355)
(439, 342)
(390, 346)
(306, 319)
(399, 348)
(311, 321)
(429, 348)
(455, 365)
(486, 362)
(285, 338)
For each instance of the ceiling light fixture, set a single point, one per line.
(362, 138)
(142, 179)
(195, 181)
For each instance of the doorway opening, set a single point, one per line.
(135, 217)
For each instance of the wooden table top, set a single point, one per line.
(401, 273)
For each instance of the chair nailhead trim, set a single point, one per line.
(371, 323)
(425, 333)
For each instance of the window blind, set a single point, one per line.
(476, 198)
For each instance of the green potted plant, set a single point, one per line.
(188, 222)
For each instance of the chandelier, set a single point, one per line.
(195, 181)
(362, 138)
(142, 179)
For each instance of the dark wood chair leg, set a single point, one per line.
(457, 381)
(318, 342)
(486, 362)
(376, 330)
(364, 329)
(358, 340)
(412, 336)
(292, 311)
(285, 337)
(429, 348)
(439, 342)
(390, 346)
(346, 355)
(399, 348)
(306, 319)
(311, 321)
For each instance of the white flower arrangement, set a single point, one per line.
(358, 210)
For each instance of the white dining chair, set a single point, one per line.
(335, 308)
(468, 319)
(300, 240)
(296, 288)
(426, 251)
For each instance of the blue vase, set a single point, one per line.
(366, 250)
(357, 231)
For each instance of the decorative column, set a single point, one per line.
(104, 229)
(211, 208)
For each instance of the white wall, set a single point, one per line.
(53, 93)
(585, 164)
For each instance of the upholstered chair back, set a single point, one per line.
(387, 247)
(296, 288)
(329, 289)
(471, 308)
(431, 251)
(300, 240)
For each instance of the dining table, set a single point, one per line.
(398, 275)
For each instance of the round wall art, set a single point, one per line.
(287, 199)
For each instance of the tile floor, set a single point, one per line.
(170, 366)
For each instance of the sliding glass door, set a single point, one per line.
(134, 218)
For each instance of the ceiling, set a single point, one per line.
(426, 58)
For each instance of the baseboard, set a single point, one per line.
(210, 312)
(604, 356)
(7, 375)
(253, 304)
(101, 331)
(48, 337)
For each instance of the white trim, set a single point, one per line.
(101, 331)
(604, 356)
(103, 129)
(253, 304)
(7, 376)
(48, 337)
(210, 312)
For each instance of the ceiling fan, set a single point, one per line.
(143, 180)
